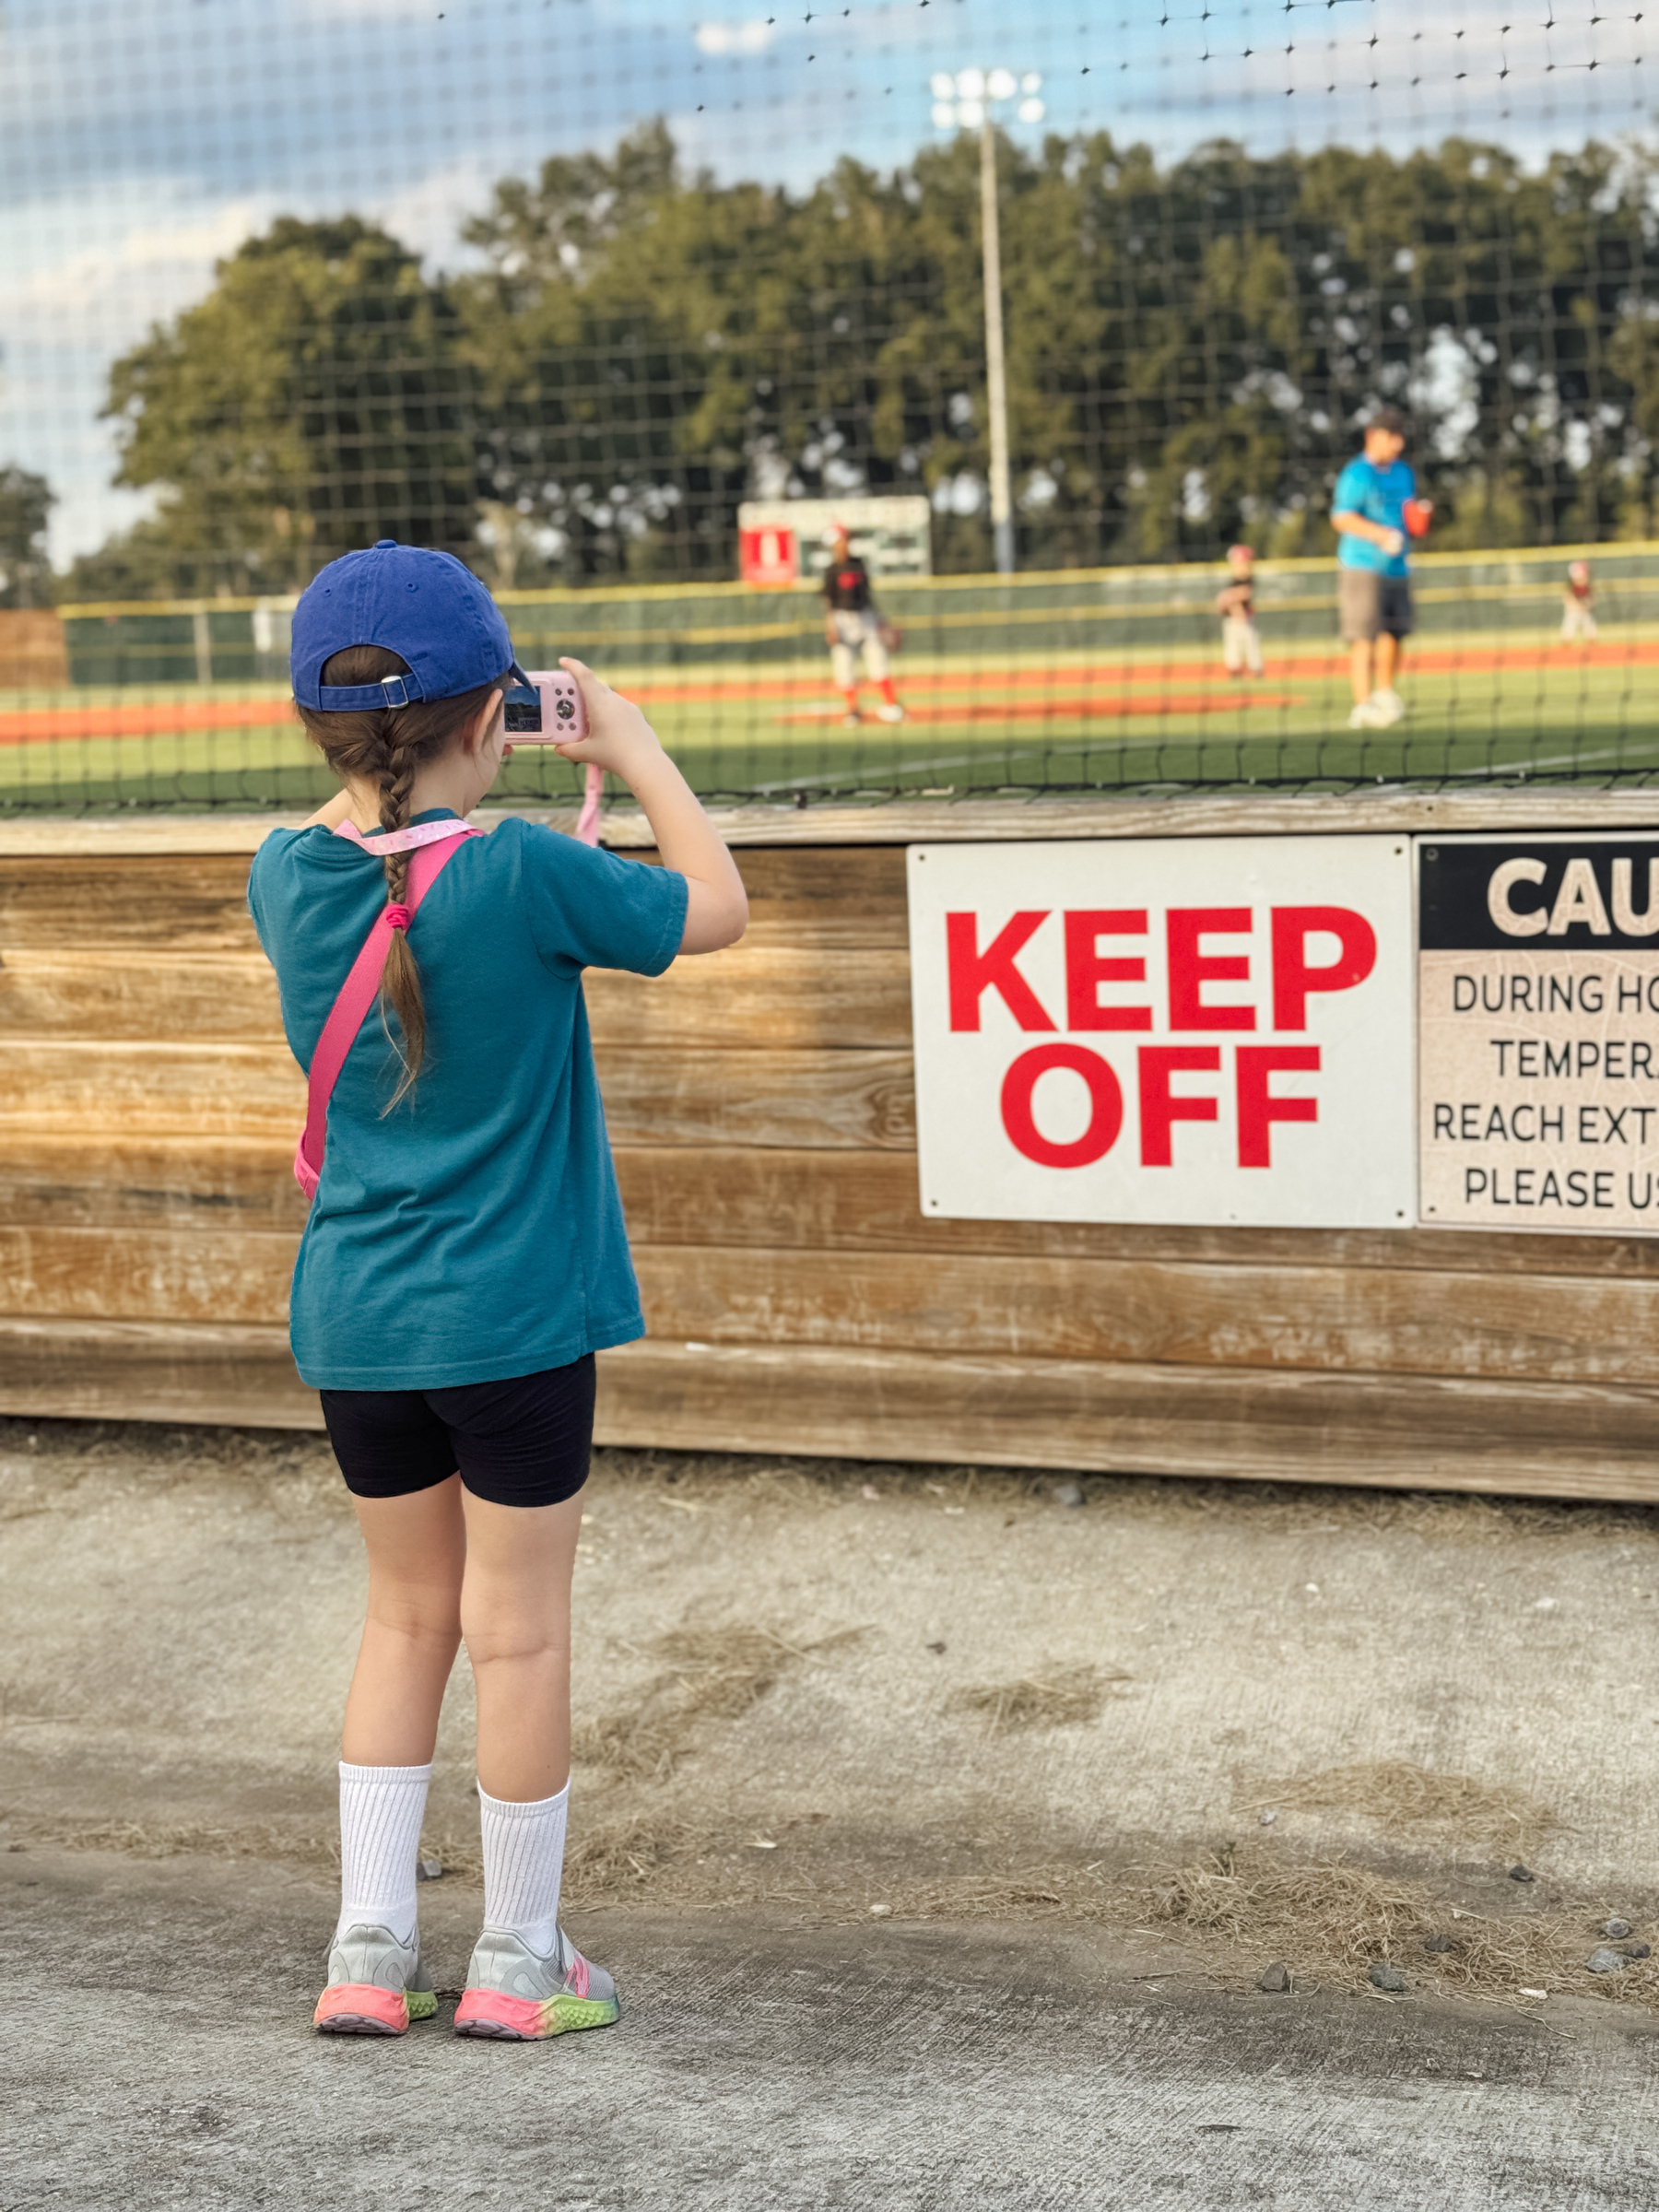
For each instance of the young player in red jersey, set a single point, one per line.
(853, 624)
(1578, 596)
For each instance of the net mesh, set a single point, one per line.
(627, 307)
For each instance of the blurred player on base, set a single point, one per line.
(853, 624)
(1235, 603)
(1578, 595)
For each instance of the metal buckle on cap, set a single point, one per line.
(396, 690)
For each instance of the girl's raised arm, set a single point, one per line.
(621, 741)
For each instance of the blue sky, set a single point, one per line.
(141, 139)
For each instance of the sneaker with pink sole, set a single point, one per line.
(376, 1985)
(515, 1994)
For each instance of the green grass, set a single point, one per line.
(1483, 704)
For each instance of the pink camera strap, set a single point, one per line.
(405, 841)
(434, 845)
(587, 821)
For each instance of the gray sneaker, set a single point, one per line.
(515, 1994)
(376, 1985)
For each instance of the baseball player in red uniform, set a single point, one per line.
(854, 625)
(1578, 617)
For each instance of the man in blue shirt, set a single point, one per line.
(1373, 589)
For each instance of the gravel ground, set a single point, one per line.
(938, 1830)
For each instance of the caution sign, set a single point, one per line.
(1202, 1030)
(1538, 1032)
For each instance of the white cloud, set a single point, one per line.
(427, 212)
(753, 37)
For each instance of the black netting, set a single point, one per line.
(627, 306)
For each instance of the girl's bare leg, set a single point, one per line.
(515, 1615)
(417, 1560)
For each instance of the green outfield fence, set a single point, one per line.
(1085, 679)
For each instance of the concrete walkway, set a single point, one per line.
(156, 2051)
(889, 1785)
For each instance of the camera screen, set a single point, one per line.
(524, 712)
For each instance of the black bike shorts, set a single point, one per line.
(522, 1441)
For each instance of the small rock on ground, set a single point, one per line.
(1068, 1493)
(1385, 1975)
(1276, 1979)
(1522, 1874)
(1639, 1950)
(1614, 1929)
(1438, 1943)
(1603, 1961)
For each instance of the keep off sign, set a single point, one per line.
(1206, 1029)
(1538, 1032)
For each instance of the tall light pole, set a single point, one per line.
(966, 101)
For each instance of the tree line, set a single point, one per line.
(633, 350)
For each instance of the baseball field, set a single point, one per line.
(1482, 702)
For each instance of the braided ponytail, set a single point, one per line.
(388, 747)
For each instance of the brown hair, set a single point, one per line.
(388, 746)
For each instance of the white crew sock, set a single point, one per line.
(524, 1866)
(380, 1812)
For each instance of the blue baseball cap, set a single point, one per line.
(428, 607)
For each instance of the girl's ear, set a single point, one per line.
(475, 732)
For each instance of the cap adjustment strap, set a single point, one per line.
(392, 692)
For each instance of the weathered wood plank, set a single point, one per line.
(844, 898)
(759, 996)
(796, 1097)
(735, 1196)
(151, 1089)
(1184, 1314)
(1498, 807)
(204, 1273)
(80, 1179)
(911, 821)
(136, 1370)
(747, 995)
(151, 902)
(123, 995)
(1553, 1440)
(868, 1201)
(812, 1099)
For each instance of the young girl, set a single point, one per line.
(466, 1254)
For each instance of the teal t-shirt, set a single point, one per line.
(475, 1231)
(1380, 495)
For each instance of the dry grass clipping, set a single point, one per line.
(712, 1674)
(155, 1839)
(1330, 1922)
(1061, 1697)
(1397, 1796)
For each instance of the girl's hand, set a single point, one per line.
(619, 738)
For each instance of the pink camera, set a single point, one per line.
(545, 707)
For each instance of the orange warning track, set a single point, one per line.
(1095, 709)
(144, 718)
(1106, 691)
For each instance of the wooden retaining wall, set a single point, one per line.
(761, 1105)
